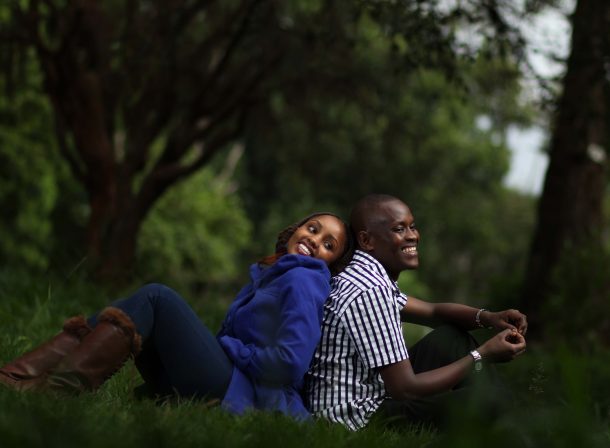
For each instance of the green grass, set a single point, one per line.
(562, 397)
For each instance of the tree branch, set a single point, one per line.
(205, 50)
(232, 45)
(189, 13)
(68, 155)
(162, 177)
(171, 172)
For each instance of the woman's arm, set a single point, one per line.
(287, 359)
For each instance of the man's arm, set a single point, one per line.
(464, 316)
(402, 383)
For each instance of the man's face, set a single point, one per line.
(392, 238)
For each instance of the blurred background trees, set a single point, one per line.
(172, 140)
(568, 262)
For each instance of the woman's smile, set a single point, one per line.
(304, 249)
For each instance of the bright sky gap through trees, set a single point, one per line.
(548, 36)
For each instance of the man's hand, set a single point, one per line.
(503, 347)
(508, 319)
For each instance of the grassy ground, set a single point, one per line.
(563, 398)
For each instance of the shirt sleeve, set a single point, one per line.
(373, 323)
(287, 360)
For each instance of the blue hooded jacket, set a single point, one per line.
(270, 334)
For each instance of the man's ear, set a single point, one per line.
(365, 241)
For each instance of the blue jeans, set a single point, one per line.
(179, 354)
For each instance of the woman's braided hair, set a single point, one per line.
(282, 241)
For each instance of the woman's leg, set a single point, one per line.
(27, 371)
(178, 352)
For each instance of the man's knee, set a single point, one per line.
(449, 334)
(452, 332)
(441, 346)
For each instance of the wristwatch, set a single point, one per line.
(478, 360)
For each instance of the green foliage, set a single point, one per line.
(338, 99)
(194, 235)
(411, 285)
(561, 398)
(415, 135)
(409, 282)
(578, 311)
(28, 190)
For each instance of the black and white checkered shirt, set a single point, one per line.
(361, 332)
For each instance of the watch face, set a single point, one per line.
(478, 366)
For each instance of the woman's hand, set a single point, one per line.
(508, 319)
(503, 347)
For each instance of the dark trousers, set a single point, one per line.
(179, 354)
(438, 348)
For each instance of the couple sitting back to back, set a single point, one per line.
(361, 366)
(288, 314)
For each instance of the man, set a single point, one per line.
(362, 366)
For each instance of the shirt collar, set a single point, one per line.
(372, 263)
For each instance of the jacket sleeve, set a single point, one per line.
(245, 293)
(301, 302)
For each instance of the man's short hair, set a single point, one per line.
(365, 212)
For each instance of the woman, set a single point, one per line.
(258, 358)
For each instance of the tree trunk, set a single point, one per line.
(115, 213)
(115, 258)
(86, 138)
(85, 87)
(570, 210)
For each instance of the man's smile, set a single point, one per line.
(409, 250)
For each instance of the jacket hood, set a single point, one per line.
(260, 274)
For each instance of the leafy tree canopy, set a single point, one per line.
(28, 190)
(332, 100)
(416, 136)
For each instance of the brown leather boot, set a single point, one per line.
(28, 371)
(99, 356)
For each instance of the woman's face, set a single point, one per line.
(322, 237)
